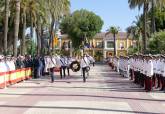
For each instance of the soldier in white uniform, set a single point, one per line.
(162, 65)
(163, 73)
(69, 61)
(158, 71)
(85, 64)
(53, 65)
(46, 60)
(149, 73)
(154, 70)
(91, 59)
(2, 63)
(135, 69)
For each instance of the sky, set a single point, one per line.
(112, 12)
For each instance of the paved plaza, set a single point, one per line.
(105, 92)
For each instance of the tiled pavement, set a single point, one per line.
(105, 92)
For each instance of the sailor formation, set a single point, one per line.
(146, 70)
(43, 65)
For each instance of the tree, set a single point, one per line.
(157, 43)
(155, 4)
(16, 25)
(159, 19)
(141, 3)
(6, 25)
(145, 4)
(98, 55)
(36, 14)
(62, 9)
(81, 26)
(136, 31)
(24, 7)
(114, 30)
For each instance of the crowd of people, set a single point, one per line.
(46, 65)
(146, 70)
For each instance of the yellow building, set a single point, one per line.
(102, 44)
(122, 44)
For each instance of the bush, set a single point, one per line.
(132, 50)
(157, 43)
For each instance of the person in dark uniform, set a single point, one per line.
(19, 62)
(36, 67)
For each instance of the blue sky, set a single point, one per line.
(112, 12)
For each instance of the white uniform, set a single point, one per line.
(149, 68)
(63, 61)
(46, 64)
(84, 62)
(91, 59)
(58, 62)
(163, 69)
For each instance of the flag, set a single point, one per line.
(55, 41)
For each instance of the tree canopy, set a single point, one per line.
(157, 43)
(81, 26)
(40, 15)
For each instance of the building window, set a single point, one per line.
(121, 46)
(99, 44)
(110, 44)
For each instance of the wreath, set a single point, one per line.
(75, 66)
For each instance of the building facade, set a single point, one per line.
(102, 45)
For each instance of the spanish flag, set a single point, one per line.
(55, 41)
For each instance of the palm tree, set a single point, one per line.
(62, 8)
(24, 4)
(135, 33)
(145, 4)
(6, 25)
(141, 3)
(155, 4)
(16, 25)
(114, 30)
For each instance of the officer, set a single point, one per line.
(69, 61)
(85, 63)
(53, 65)
(158, 71)
(149, 73)
(91, 59)
(2, 63)
(163, 73)
(162, 65)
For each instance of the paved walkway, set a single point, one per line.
(105, 92)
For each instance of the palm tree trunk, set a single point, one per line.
(31, 32)
(23, 32)
(145, 9)
(38, 39)
(51, 36)
(153, 18)
(42, 41)
(16, 26)
(6, 25)
(114, 35)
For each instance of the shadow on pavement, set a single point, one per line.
(76, 108)
(92, 96)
